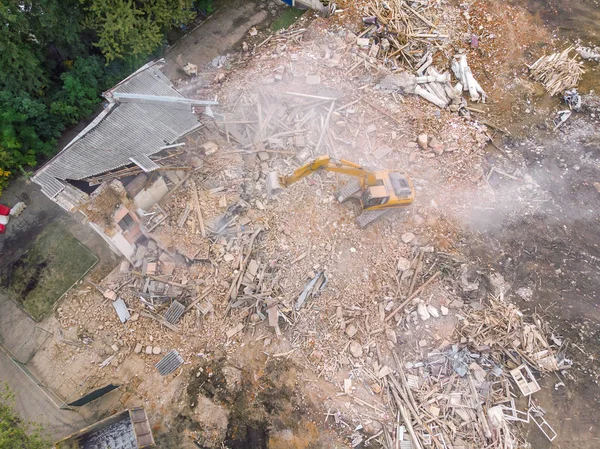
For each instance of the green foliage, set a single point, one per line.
(20, 52)
(128, 27)
(26, 129)
(14, 432)
(80, 91)
(206, 6)
(4, 176)
(58, 56)
(288, 17)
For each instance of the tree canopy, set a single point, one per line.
(133, 28)
(57, 56)
(14, 432)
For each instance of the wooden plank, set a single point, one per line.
(174, 189)
(417, 291)
(199, 298)
(184, 216)
(315, 97)
(197, 207)
(160, 320)
(325, 127)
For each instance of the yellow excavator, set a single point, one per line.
(379, 191)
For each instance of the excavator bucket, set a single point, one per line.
(274, 188)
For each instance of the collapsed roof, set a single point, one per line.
(145, 113)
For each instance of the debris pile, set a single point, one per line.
(435, 87)
(592, 54)
(557, 72)
(402, 33)
(222, 265)
(469, 84)
(502, 329)
(267, 124)
(461, 395)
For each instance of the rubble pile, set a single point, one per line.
(470, 393)
(221, 264)
(282, 123)
(502, 328)
(557, 72)
(402, 33)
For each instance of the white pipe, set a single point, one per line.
(433, 78)
(430, 97)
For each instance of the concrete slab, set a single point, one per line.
(216, 37)
(33, 405)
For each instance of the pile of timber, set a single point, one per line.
(473, 393)
(502, 329)
(266, 123)
(402, 32)
(557, 72)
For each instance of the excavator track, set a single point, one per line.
(348, 191)
(369, 216)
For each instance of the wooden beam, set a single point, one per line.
(197, 207)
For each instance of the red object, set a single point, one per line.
(4, 210)
(2, 228)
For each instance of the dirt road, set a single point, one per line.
(217, 36)
(33, 405)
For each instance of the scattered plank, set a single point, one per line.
(197, 208)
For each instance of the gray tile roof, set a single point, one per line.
(123, 133)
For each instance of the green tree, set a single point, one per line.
(205, 6)
(134, 28)
(57, 56)
(14, 432)
(34, 40)
(26, 129)
(20, 51)
(34, 37)
(80, 90)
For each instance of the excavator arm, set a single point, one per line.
(327, 163)
(379, 191)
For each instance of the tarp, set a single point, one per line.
(94, 395)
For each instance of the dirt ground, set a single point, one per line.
(507, 211)
(22, 231)
(219, 35)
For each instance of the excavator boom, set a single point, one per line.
(327, 163)
(378, 191)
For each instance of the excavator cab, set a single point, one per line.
(402, 186)
(374, 196)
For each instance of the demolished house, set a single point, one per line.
(128, 429)
(110, 170)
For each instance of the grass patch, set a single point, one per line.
(55, 261)
(287, 18)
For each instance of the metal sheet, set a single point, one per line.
(174, 312)
(169, 363)
(93, 395)
(145, 163)
(121, 310)
(141, 427)
(315, 286)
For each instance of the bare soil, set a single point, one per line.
(554, 249)
(219, 35)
